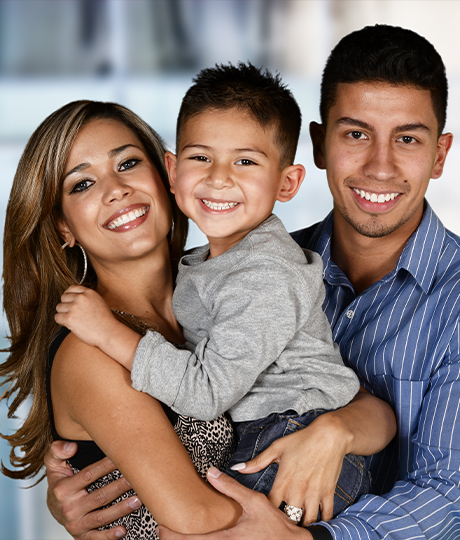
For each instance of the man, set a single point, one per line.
(392, 277)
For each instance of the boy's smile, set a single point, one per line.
(226, 176)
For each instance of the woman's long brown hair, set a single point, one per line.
(36, 271)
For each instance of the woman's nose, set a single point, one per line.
(116, 188)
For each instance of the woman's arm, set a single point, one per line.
(310, 460)
(93, 399)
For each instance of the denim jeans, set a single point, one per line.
(254, 437)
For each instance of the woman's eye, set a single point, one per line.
(128, 164)
(82, 185)
(245, 161)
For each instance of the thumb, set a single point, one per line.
(232, 488)
(260, 462)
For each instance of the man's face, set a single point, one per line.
(380, 148)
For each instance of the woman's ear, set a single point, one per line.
(317, 135)
(64, 232)
(170, 163)
(292, 180)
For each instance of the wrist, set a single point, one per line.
(331, 424)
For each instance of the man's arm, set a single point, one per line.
(73, 507)
(426, 503)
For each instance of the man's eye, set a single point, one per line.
(407, 139)
(245, 161)
(357, 135)
(128, 164)
(82, 185)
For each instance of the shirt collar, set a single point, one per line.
(419, 257)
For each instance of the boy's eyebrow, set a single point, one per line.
(254, 149)
(414, 126)
(111, 154)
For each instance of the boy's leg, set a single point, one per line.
(254, 437)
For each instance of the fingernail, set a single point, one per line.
(135, 503)
(238, 466)
(69, 447)
(214, 472)
(119, 534)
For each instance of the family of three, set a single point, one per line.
(247, 332)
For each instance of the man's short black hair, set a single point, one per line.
(248, 88)
(388, 54)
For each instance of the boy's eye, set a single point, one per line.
(204, 159)
(82, 185)
(245, 161)
(129, 164)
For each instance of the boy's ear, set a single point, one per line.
(64, 231)
(170, 163)
(317, 134)
(292, 180)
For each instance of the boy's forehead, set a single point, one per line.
(240, 117)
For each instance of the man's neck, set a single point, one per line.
(366, 260)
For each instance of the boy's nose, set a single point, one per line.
(219, 177)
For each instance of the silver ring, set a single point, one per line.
(294, 513)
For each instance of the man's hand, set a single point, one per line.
(76, 509)
(260, 519)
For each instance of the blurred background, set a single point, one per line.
(143, 54)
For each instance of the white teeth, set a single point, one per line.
(126, 218)
(373, 197)
(219, 206)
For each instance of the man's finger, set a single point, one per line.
(232, 488)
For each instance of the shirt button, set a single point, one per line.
(350, 314)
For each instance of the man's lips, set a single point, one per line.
(127, 215)
(379, 198)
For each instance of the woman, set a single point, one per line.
(92, 176)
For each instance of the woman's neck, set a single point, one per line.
(142, 288)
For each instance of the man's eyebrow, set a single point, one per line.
(412, 126)
(348, 121)
(111, 154)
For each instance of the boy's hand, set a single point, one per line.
(85, 313)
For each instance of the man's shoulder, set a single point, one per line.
(308, 237)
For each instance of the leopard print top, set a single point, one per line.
(208, 443)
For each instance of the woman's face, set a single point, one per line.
(113, 200)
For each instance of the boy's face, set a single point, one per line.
(226, 175)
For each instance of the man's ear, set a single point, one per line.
(170, 163)
(292, 180)
(317, 135)
(64, 231)
(444, 145)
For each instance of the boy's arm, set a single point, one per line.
(85, 313)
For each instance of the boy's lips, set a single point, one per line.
(219, 205)
(126, 215)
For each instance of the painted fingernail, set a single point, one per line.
(214, 472)
(238, 466)
(135, 503)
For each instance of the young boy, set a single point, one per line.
(258, 344)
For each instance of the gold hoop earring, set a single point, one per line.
(85, 261)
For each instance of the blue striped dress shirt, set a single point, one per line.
(402, 337)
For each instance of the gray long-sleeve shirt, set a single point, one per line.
(257, 338)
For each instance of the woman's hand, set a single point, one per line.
(76, 509)
(259, 520)
(309, 465)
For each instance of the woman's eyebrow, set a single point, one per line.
(112, 153)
